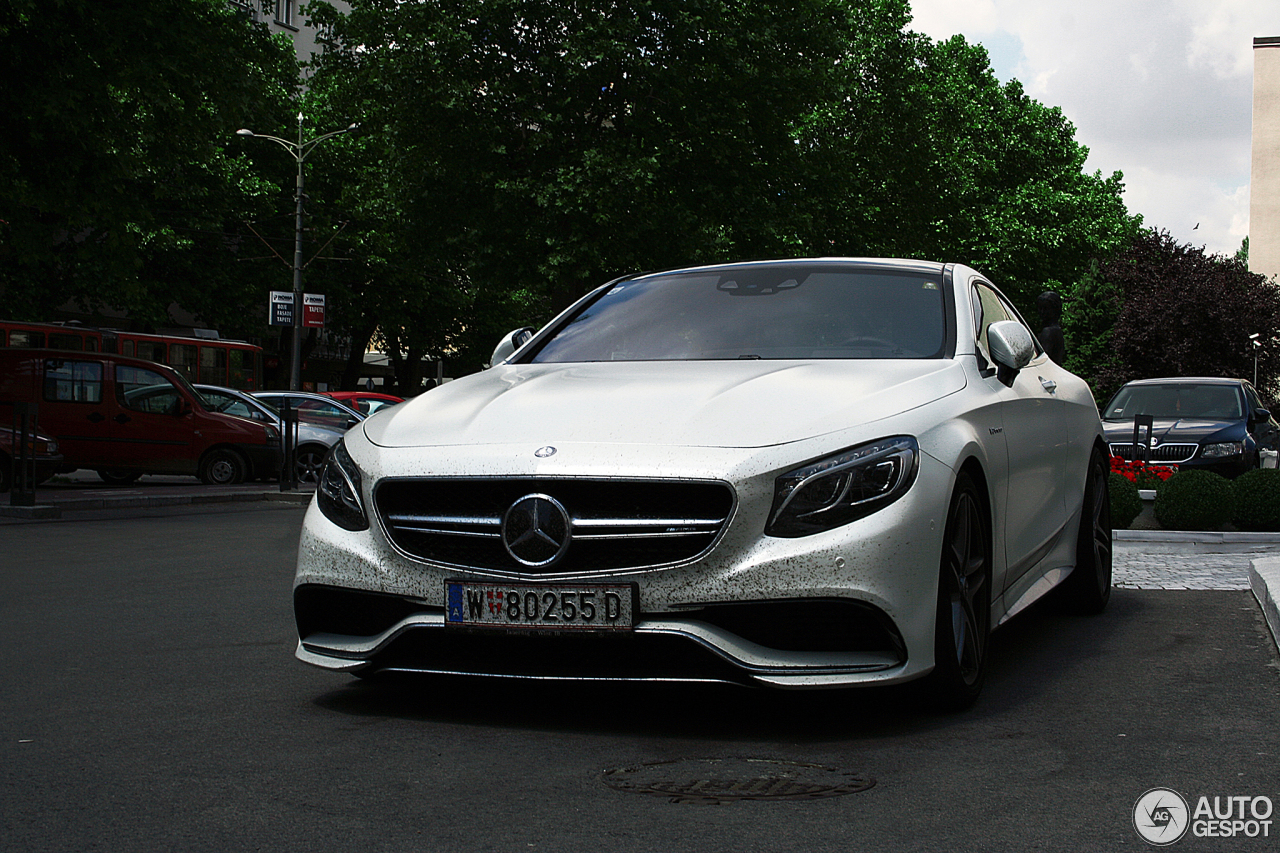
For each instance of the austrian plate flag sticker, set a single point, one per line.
(455, 604)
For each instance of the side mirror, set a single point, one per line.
(510, 342)
(1011, 345)
(183, 407)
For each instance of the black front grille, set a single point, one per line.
(614, 524)
(1170, 453)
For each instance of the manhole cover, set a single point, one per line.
(723, 780)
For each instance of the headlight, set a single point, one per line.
(844, 487)
(1219, 451)
(338, 491)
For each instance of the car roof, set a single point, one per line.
(1184, 380)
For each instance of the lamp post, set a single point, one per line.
(1256, 346)
(299, 151)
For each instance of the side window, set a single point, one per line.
(989, 307)
(151, 350)
(182, 358)
(23, 338)
(73, 381)
(213, 365)
(65, 341)
(145, 390)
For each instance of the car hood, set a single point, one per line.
(1177, 430)
(698, 404)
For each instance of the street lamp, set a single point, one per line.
(299, 151)
(1256, 346)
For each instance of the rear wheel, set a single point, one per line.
(1088, 588)
(963, 623)
(222, 467)
(117, 478)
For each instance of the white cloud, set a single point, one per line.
(1160, 90)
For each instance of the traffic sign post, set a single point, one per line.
(281, 308)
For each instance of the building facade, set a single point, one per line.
(1264, 181)
(286, 16)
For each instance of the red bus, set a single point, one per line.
(209, 361)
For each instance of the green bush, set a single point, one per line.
(1257, 500)
(1194, 500)
(1125, 502)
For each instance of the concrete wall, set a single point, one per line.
(1264, 184)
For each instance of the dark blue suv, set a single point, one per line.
(1218, 425)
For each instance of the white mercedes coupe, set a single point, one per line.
(796, 473)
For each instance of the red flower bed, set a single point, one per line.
(1140, 473)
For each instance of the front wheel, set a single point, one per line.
(222, 467)
(963, 622)
(307, 462)
(1088, 587)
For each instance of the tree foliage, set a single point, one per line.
(1178, 312)
(121, 181)
(531, 150)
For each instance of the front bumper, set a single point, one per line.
(853, 605)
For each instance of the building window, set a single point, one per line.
(284, 12)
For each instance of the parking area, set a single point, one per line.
(157, 705)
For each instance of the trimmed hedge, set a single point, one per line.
(1257, 500)
(1194, 500)
(1126, 504)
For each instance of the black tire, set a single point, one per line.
(963, 624)
(1088, 588)
(222, 467)
(307, 462)
(117, 478)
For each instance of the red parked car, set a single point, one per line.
(365, 402)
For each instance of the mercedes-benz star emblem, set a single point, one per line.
(535, 530)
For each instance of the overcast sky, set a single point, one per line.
(1160, 90)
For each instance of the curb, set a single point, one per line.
(101, 502)
(1264, 580)
(1200, 537)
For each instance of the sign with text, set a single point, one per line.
(313, 310)
(281, 308)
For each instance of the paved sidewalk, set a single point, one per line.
(80, 494)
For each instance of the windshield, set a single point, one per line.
(766, 312)
(1181, 400)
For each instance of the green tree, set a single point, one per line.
(121, 183)
(537, 149)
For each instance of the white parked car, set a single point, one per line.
(801, 473)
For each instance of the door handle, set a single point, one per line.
(96, 418)
(1048, 385)
(122, 418)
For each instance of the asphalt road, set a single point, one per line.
(152, 703)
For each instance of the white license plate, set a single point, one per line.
(540, 607)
